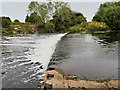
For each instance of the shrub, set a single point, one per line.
(30, 31)
(10, 32)
(3, 31)
(19, 31)
(76, 28)
(97, 26)
(83, 29)
(7, 32)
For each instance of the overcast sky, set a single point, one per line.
(17, 9)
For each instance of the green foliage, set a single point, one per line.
(5, 22)
(109, 13)
(6, 18)
(77, 28)
(19, 31)
(96, 26)
(80, 18)
(16, 20)
(50, 27)
(63, 24)
(10, 32)
(40, 9)
(33, 18)
(41, 28)
(7, 32)
(3, 31)
(26, 26)
(62, 16)
(30, 31)
(108, 37)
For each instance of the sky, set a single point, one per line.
(17, 9)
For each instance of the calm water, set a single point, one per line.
(25, 59)
(87, 56)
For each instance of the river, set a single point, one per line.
(87, 56)
(25, 58)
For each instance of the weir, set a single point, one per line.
(44, 49)
(25, 59)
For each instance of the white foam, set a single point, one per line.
(44, 49)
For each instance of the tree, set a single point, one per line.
(16, 20)
(6, 22)
(50, 27)
(62, 16)
(41, 9)
(80, 18)
(33, 18)
(109, 13)
(45, 10)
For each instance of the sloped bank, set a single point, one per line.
(55, 79)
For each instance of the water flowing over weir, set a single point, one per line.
(25, 59)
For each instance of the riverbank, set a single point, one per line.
(55, 79)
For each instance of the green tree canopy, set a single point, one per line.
(58, 13)
(33, 18)
(79, 17)
(16, 20)
(109, 13)
(6, 22)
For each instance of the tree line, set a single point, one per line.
(53, 16)
(109, 13)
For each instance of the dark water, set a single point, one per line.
(87, 56)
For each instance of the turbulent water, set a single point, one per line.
(25, 59)
(87, 56)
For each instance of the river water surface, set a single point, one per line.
(25, 58)
(87, 56)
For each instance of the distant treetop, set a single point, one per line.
(16, 20)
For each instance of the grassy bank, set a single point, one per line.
(18, 28)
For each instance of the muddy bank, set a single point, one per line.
(55, 79)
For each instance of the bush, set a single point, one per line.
(83, 29)
(76, 28)
(3, 31)
(10, 32)
(97, 26)
(30, 31)
(19, 31)
(7, 32)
